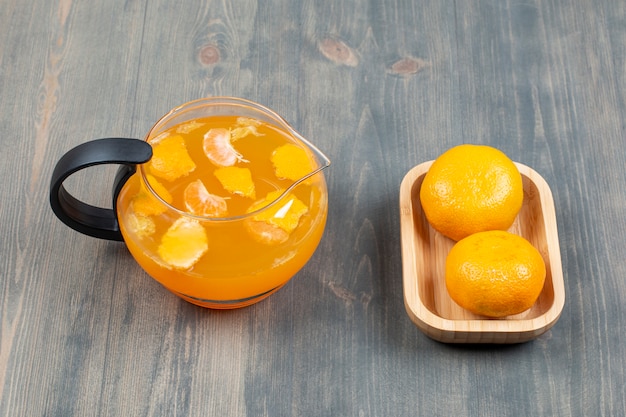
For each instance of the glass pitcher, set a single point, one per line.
(222, 203)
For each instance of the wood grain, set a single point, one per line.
(380, 87)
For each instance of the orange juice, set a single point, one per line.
(219, 215)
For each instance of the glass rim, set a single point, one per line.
(322, 160)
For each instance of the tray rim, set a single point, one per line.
(478, 330)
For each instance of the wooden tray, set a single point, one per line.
(424, 252)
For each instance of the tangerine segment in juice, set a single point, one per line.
(225, 225)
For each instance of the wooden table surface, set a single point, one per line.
(380, 86)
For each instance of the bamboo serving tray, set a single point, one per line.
(424, 252)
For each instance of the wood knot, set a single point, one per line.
(209, 55)
(338, 52)
(341, 292)
(408, 66)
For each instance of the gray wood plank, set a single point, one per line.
(378, 86)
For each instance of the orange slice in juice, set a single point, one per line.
(219, 149)
(200, 202)
(170, 159)
(291, 162)
(183, 244)
(237, 181)
(274, 224)
(142, 226)
(146, 204)
(266, 233)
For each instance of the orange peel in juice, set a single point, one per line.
(236, 180)
(245, 126)
(142, 226)
(183, 244)
(189, 126)
(170, 159)
(291, 162)
(274, 224)
(200, 202)
(146, 204)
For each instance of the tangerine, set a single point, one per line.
(471, 188)
(219, 149)
(495, 273)
(200, 202)
(218, 142)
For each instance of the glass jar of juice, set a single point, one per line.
(229, 205)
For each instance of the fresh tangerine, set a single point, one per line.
(495, 273)
(471, 188)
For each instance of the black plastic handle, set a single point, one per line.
(87, 219)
